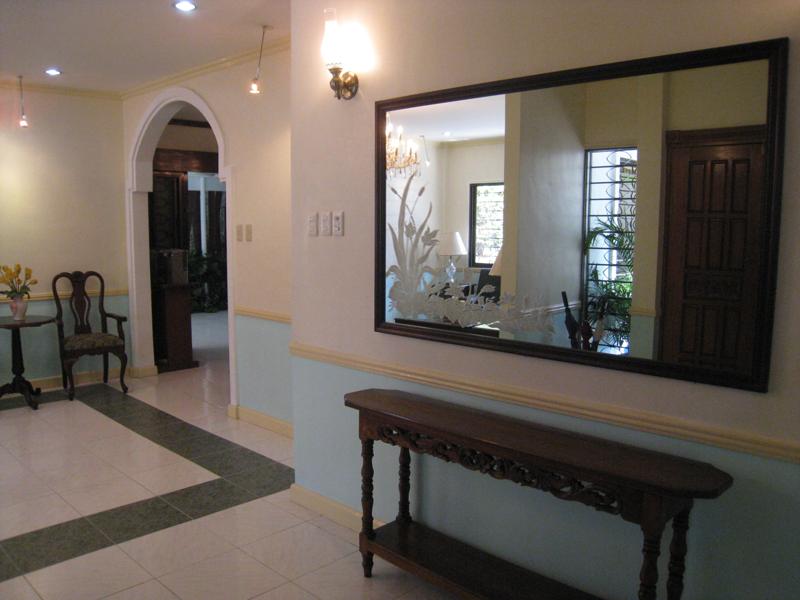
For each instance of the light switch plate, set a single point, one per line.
(325, 223)
(313, 224)
(338, 222)
(248, 233)
(239, 233)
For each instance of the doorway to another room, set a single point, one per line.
(188, 258)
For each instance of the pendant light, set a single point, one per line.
(23, 120)
(254, 84)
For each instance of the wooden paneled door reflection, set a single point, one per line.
(712, 247)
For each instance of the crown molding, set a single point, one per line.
(42, 88)
(274, 47)
(730, 439)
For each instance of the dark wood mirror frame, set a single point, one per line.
(775, 51)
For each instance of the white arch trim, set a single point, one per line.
(139, 178)
(151, 126)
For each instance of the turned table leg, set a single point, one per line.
(648, 575)
(677, 555)
(367, 530)
(404, 512)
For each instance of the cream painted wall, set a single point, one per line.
(62, 186)
(257, 136)
(468, 162)
(180, 137)
(611, 108)
(550, 211)
(332, 165)
(722, 96)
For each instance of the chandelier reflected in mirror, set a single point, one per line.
(401, 153)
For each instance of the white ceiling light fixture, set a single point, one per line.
(53, 71)
(23, 120)
(185, 6)
(254, 84)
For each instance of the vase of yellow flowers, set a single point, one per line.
(19, 288)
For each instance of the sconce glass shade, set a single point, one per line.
(331, 40)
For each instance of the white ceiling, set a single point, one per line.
(478, 118)
(116, 45)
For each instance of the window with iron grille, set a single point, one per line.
(485, 223)
(609, 243)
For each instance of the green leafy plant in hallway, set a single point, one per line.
(208, 276)
(609, 300)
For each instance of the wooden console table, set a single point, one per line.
(641, 486)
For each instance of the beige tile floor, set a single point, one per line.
(66, 460)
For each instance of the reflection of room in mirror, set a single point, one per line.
(579, 173)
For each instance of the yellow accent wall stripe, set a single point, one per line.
(731, 439)
(49, 295)
(267, 315)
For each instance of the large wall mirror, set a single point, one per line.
(623, 216)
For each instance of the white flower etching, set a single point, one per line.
(418, 291)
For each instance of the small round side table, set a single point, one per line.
(20, 385)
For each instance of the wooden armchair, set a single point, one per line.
(85, 342)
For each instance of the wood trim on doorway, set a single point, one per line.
(184, 161)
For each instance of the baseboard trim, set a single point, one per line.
(327, 507)
(254, 417)
(241, 311)
(730, 439)
(148, 371)
(83, 378)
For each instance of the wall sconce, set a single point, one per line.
(254, 84)
(344, 84)
(23, 120)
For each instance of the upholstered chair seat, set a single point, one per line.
(92, 341)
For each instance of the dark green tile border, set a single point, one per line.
(54, 544)
(206, 498)
(137, 519)
(244, 476)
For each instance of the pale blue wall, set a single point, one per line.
(40, 344)
(742, 546)
(263, 366)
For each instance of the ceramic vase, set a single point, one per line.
(19, 306)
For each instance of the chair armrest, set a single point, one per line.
(120, 320)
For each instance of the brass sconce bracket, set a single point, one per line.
(344, 85)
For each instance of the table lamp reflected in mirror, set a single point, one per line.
(452, 246)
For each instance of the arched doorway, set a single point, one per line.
(140, 184)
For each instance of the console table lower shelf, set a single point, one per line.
(460, 568)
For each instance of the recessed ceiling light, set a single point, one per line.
(53, 71)
(185, 5)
